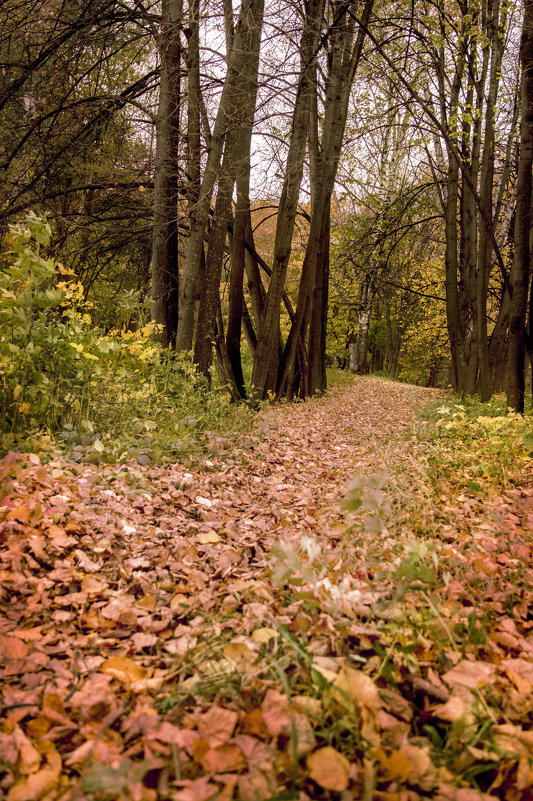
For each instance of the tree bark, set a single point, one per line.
(521, 261)
(250, 15)
(165, 225)
(345, 53)
(265, 362)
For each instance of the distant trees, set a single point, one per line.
(457, 63)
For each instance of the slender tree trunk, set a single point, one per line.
(485, 194)
(216, 247)
(165, 226)
(265, 363)
(499, 345)
(248, 93)
(250, 16)
(317, 380)
(358, 360)
(344, 57)
(521, 268)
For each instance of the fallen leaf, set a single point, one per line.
(243, 656)
(123, 669)
(453, 710)
(208, 537)
(470, 674)
(39, 784)
(216, 725)
(275, 709)
(226, 758)
(329, 769)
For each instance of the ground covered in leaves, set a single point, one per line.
(237, 630)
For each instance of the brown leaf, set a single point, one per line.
(470, 674)
(216, 725)
(453, 710)
(253, 722)
(198, 790)
(257, 784)
(226, 758)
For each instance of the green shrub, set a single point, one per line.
(46, 344)
(110, 396)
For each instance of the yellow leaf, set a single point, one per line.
(395, 766)
(241, 654)
(310, 706)
(92, 585)
(178, 600)
(264, 635)
(123, 669)
(17, 391)
(356, 687)
(208, 537)
(329, 769)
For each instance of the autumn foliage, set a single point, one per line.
(229, 631)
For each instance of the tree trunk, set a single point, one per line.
(265, 363)
(165, 226)
(250, 16)
(343, 60)
(247, 103)
(521, 268)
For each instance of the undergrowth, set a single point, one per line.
(475, 448)
(102, 395)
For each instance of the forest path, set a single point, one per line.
(147, 652)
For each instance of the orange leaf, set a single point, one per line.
(29, 757)
(275, 708)
(329, 769)
(38, 784)
(12, 647)
(123, 669)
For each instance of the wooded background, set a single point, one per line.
(285, 183)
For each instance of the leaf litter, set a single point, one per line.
(239, 631)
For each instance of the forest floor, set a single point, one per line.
(228, 631)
